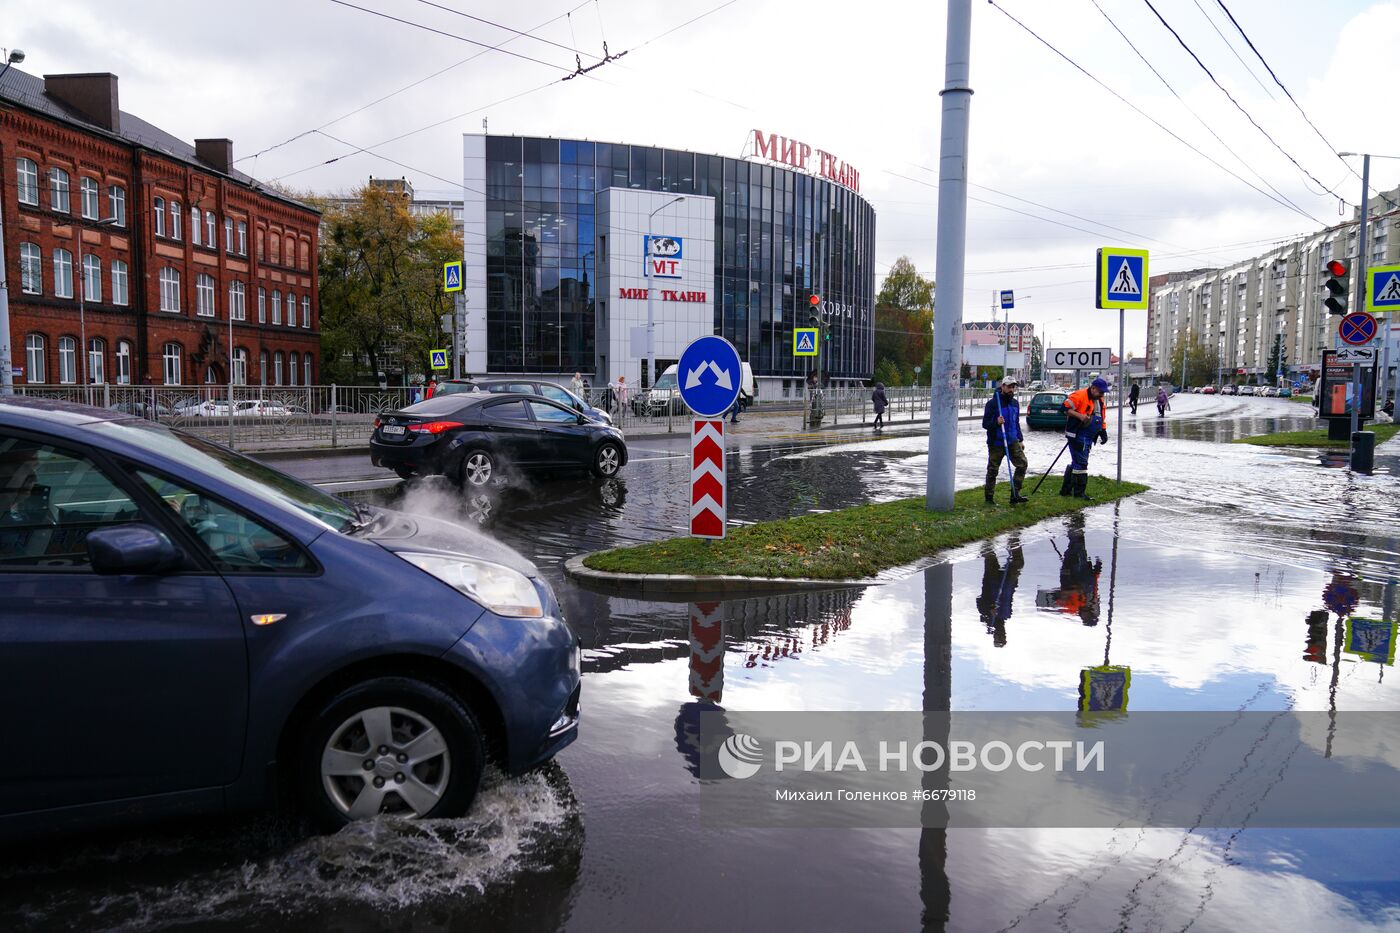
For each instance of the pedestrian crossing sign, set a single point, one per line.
(452, 276)
(1383, 289)
(437, 359)
(804, 341)
(1122, 278)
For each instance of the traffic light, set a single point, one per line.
(814, 315)
(1337, 287)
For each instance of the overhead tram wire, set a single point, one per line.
(505, 100)
(1238, 106)
(1199, 118)
(1259, 55)
(406, 87)
(1239, 58)
(1082, 70)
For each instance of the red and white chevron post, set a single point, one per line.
(709, 492)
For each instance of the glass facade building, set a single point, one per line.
(781, 236)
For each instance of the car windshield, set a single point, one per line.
(203, 458)
(1047, 398)
(453, 388)
(666, 381)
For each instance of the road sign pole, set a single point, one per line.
(1361, 294)
(948, 270)
(1120, 396)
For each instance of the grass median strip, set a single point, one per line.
(1317, 438)
(851, 543)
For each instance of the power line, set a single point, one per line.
(406, 87)
(1238, 106)
(1330, 148)
(1249, 71)
(1082, 70)
(1199, 118)
(528, 34)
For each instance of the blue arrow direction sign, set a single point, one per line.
(452, 276)
(1357, 328)
(1008, 300)
(1383, 289)
(708, 374)
(1122, 278)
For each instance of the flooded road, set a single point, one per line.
(1227, 587)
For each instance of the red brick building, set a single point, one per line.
(174, 242)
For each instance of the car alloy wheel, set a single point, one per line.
(607, 461)
(386, 759)
(477, 468)
(392, 745)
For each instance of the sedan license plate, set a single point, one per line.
(393, 429)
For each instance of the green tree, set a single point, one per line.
(1037, 361)
(887, 372)
(381, 285)
(904, 320)
(1202, 363)
(1275, 360)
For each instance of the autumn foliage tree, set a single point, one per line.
(381, 285)
(903, 324)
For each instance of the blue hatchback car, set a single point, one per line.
(183, 629)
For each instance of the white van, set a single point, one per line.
(666, 393)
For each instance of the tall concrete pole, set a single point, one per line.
(1360, 276)
(952, 237)
(6, 378)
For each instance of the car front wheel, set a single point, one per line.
(390, 745)
(607, 460)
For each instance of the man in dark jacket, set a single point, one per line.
(1001, 419)
(879, 401)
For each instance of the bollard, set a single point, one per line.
(1363, 451)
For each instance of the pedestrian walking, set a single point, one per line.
(1085, 422)
(620, 393)
(1001, 419)
(576, 384)
(432, 388)
(879, 401)
(1133, 398)
(1163, 401)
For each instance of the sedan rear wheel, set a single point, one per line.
(478, 468)
(607, 460)
(391, 745)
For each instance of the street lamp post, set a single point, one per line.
(15, 56)
(651, 321)
(82, 300)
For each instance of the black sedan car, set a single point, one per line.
(538, 387)
(472, 438)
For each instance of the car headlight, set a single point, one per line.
(504, 591)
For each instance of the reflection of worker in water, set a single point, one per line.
(1079, 579)
(999, 589)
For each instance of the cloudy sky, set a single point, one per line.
(1060, 165)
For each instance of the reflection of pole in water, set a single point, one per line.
(1337, 636)
(934, 888)
(706, 651)
(1112, 583)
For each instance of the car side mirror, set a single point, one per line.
(134, 548)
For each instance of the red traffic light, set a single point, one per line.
(1336, 267)
(815, 300)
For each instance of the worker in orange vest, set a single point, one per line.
(1085, 422)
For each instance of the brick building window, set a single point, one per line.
(97, 360)
(292, 360)
(27, 182)
(89, 198)
(260, 236)
(158, 210)
(170, 363)
(63, 273)
(175, 232)
(92, 278)
(196, 228)
(262, 368)
(242, 238)
(116, 204)
(306, 311)
(304, 253)
(31, 269)
(228, 234)
(274, 249)
(34, 361)
(277, 313)
(170, 289)
(67, 360)
(306, 369)
(240, 367)
(277, 368)
(204, 295)
(262, 305)
(210, 225)
(291, 310)
(119, 282)
(58, 191)
(123, 359)
(237, 303)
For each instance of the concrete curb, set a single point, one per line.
(678, 587)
